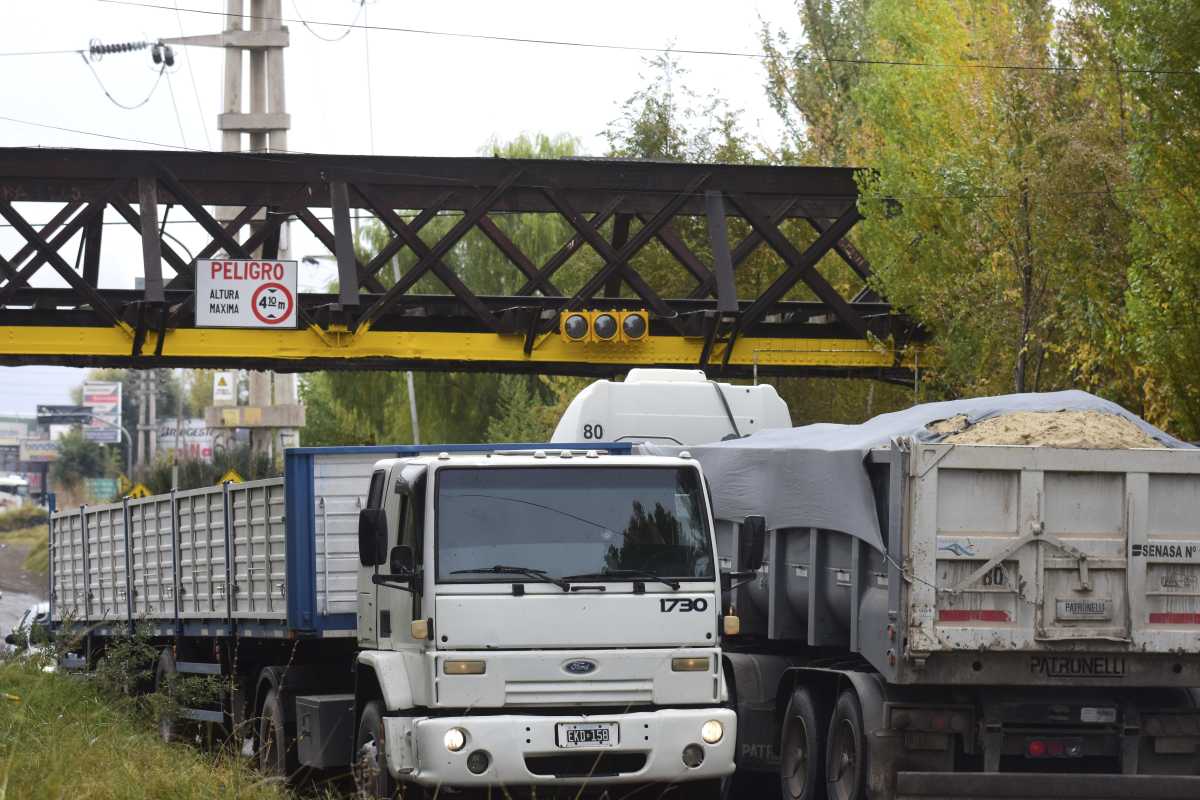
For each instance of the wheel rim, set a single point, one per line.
(796, 765)
(843, 760)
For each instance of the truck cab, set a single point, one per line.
(540, 618)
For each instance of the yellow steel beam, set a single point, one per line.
(483, 348)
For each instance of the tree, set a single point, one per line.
(987, 189)
(1156, 45)
(80, 458)
(811, 83)
(372, 407)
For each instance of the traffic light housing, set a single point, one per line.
(604, 327)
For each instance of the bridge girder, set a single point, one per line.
(377, 320)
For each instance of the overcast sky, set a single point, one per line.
(432, 95)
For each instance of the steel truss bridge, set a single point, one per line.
(614, 208)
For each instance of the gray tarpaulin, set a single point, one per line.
(814, 476)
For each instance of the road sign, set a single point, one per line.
(100, 490)
(104, 400)
(231, 477)
(225, 388)
(245, 293)
(139, 490)
(63, 415)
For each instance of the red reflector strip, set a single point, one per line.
(972, 615)
(1174, 618)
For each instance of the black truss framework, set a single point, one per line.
(143, 187)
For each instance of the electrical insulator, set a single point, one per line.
(97, 49)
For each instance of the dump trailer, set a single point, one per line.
(932, 620)
(447, 618)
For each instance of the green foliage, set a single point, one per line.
(63, 737)
(528, 407)
(79, 458)
(37, 561)
(372, 407)
(194, 474)
(811, 83)
(667, 121)
(26, 516)
(1162, 111)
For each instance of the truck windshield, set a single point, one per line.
(572, 520)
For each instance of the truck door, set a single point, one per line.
(367, 616)
(397, 607)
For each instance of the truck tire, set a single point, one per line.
(846, 753)
(802, 747)
(371, 776)
(276, 750)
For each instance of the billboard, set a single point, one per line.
(37, 450)
(104, 399)
(196, 441)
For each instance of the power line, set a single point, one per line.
(115, 101)
(44, 52)
(175, 106)
(1047, 68)
(349, 28)
(370, 94)
(192, 76)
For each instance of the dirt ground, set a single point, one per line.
(1068, 429)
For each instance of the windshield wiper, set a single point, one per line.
(624, 573)
(537, 574)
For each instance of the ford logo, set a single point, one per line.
(580, 667)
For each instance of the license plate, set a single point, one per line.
(1084, 610)
(586, 734)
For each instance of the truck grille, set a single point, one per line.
(593, 692)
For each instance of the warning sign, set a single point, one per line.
(245, 294)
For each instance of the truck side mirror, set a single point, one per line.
(752, 542)
(402, 561)
(372, 537)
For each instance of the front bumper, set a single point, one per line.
(522, 749)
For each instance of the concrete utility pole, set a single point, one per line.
(266, 125)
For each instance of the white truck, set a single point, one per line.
(14, 492)
(921, 619)
(441, 620)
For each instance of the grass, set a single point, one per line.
(60, 736)
(37, 560)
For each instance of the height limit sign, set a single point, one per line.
(245, 294)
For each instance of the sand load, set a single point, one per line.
(1093, 430)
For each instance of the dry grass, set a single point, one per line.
(37, 560)
(61, 737)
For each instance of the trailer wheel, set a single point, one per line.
(371, 775)
(846, 755)
(276, 750)
(801, 744)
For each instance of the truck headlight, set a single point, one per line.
(712, 731)
(463, 667)
(455, 739)
(695, 664)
